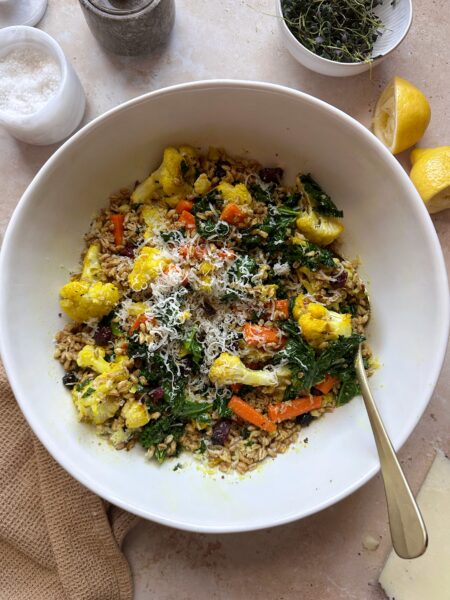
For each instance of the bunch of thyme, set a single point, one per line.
(340, 30)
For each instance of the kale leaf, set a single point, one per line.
(210, 228)
(322, 203)
(220, 404)
(262, 195)
(349, 387)
(192, 346)
(243, 269)
(308, 255)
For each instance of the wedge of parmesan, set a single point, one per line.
(426, 577)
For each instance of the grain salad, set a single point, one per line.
(213, 312)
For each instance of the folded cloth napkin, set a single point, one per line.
(58, 541)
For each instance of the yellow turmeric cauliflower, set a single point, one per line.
(318, 324)
(228, 369)
(169, 179)
(238, 194)
(135, 414)
(83, 299)
(148, 265)
(94, 400)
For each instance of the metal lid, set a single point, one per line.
(121, 7)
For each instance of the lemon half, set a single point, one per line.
(401, 115)
(431, 176)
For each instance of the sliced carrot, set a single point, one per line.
(247, 413)
(327, 384)
(235, 387)
(187, 220)
(260, 336)
(184, 205)
(281, 307)
(141, 319)
(117, 221)
(293, 408)
(192, 251)
(232, 214)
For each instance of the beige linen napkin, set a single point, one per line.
(58, 541)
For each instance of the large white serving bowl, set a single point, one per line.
(386, 225)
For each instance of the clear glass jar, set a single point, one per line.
(129, 27)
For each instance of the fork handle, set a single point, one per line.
(408, 531)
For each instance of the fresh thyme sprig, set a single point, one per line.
(340, 30)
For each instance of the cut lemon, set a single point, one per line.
(431, 176)
(401, 115)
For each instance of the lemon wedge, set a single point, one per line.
(431, 176)
(401, 115)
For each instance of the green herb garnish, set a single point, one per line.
(340, 30)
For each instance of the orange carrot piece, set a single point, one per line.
(282, 306)
(117, 221)
(327, 384)
(232, 214)
(187, 220)
(184, 205)
(293, 408)
(140, 319)
(260, 336)
(247, 413)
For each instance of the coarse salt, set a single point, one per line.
(29, 77)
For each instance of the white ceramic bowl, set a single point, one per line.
(397, 19)
(386, 224)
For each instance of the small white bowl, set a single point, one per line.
(397, 20)
(62, 114)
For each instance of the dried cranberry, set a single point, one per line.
(128, 251)
(156, 395)
(340, 279)
(103, 335)
(271, 174)
(221, 431)
(305, 419)
(70, 379)
(220, 171)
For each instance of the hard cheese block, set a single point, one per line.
(427, 577)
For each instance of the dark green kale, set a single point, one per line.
(204, 203)
(308, 255)
(220, 404)
(292, 200)
(192, 346)
(135, 349)
(300, 358)
(210, 228)
(349, 387)
(184, 167)
(263, 195)
(243, 269)
(309, 367)
(156, 431)
(321, 202)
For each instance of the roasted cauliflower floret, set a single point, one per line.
(228, 369)
(319, 229)
(318, 324)
(155, 217)
(135, 414)
(94, 401)
(83, 299)
(149, 264)
(202, 184)
(238, 194)
(169, 179)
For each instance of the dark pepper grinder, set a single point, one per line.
(129, 27)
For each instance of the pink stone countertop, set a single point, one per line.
(321, 556)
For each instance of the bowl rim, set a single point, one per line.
(45, 437)
(333, 63)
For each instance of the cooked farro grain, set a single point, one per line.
(212, 279)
